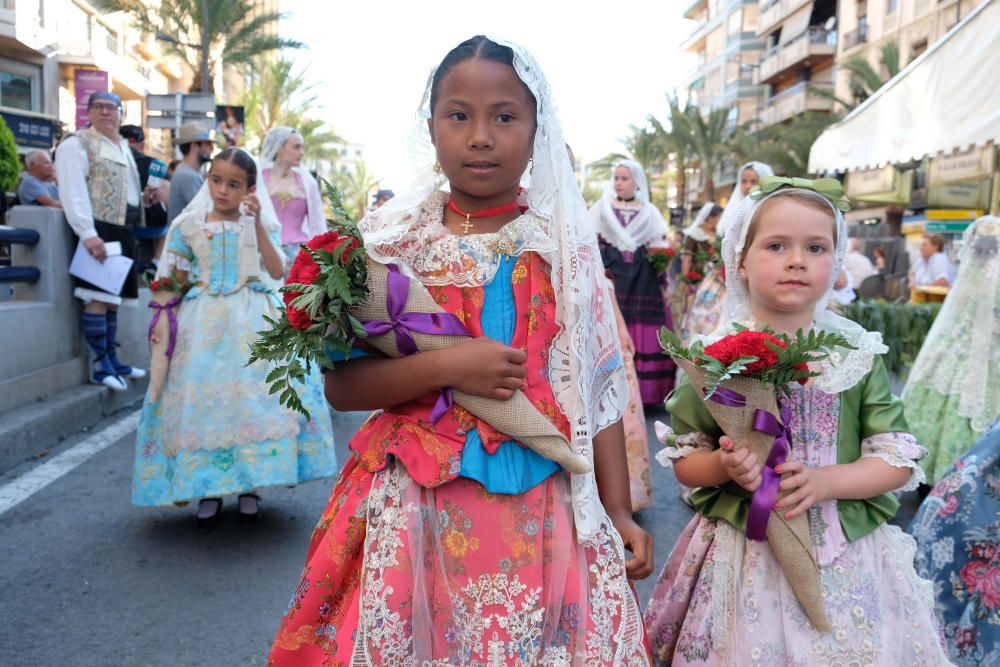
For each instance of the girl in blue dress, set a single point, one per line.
(213, 429)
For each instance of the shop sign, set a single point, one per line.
(886, 185)
(971, 165)
(871, 181)
(967, 194)
(946, 226)
(30, 131)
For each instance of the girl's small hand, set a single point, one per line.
(807, 485)
(741, 465)
(485, 367)
(639, 542)
(154, 339)
(251, 206)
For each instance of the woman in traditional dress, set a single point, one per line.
(953, 391)
(627, 226)
(294, 191)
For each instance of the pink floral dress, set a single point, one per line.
(723, 600)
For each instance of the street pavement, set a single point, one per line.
(89, 580)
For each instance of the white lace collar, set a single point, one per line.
(431, 253)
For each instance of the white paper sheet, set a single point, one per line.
(109, 275)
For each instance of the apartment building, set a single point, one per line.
(867, 25)
(47, 46)
(798, 60)
(727, 48)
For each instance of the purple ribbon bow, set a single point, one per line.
(763, 498)
(404, 325)
(171, 317)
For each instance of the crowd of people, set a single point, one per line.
(445, 542)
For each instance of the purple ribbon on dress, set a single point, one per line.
(404, 325)
(171, 317)
(763, 498)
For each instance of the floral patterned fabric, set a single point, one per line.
(723, 600)
(958, 548)
(935, 420)
(215, 430)
(413, 563)
(702, 317)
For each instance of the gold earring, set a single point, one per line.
(437, 167)
(531, 164)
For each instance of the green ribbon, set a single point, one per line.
(829, 188)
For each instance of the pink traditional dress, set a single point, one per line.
(722, 599)
(449, 544)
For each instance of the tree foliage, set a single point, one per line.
(234, 35)
(864, 79)
(784, 146)
(10, 165)
(278, 95)
(358, 185)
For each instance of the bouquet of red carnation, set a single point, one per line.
(336, 295)
(167, 293)
(692, 277)
(744, 379)
(660, 258)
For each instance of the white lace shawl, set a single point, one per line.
(843, 368)
(647, 227)
(961, 355)
(585, 367)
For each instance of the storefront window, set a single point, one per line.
(17, 90)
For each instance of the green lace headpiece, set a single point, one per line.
(830, 188)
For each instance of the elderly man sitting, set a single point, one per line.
(37, 186)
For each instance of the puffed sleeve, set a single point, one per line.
(178, 254)
(884, 433)
(692, 427)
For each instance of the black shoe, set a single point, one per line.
(249, 505)
(209, 511)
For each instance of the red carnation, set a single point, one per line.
(749, 343)
(693, 276)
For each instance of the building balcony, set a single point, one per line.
(696, 40)
(813, 45)
(794, 101)
(696, 7)
(855, 37)
(773, 12)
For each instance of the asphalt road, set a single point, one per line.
(89, 580)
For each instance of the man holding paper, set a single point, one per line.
(102, 198)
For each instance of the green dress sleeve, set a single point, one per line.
(688, 414)
(867, 409)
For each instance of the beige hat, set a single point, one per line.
(191, 132)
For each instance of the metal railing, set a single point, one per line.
(19, 274)
(857, 36)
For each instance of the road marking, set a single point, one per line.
(41, 476)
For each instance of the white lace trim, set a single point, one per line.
(900, 450)
(171, 261)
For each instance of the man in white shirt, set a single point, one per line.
(932, 267)
(102, 199)
(857, 264)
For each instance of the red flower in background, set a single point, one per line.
(749, 343)
(305, 271)
(693, 276)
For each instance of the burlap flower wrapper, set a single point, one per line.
(400, 313)
(737, 406)
(163, 325)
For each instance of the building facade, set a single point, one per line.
(48, 46)
(727, 47)
(798, 61)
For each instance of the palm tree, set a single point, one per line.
(784, 146)
(203, 33)
(279, 96)
(864, 79)
(706, 136)
(357, 186)
(676, 144)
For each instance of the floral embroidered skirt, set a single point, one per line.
(640, 477)
(705, 308)
(935, 422)
(215, 430)
(399, 574)
(722, 600)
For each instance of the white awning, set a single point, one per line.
(796, 24)
(946, 99)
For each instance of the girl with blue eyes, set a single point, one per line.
(722, 598)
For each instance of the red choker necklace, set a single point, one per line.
(503, 209)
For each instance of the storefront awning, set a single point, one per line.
(945, 100)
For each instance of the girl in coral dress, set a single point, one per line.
(722, 598)
(447, 543)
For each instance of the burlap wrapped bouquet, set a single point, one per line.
(335, 294)
(743, 379)
(166, 299)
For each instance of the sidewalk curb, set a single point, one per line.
(31, 429)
